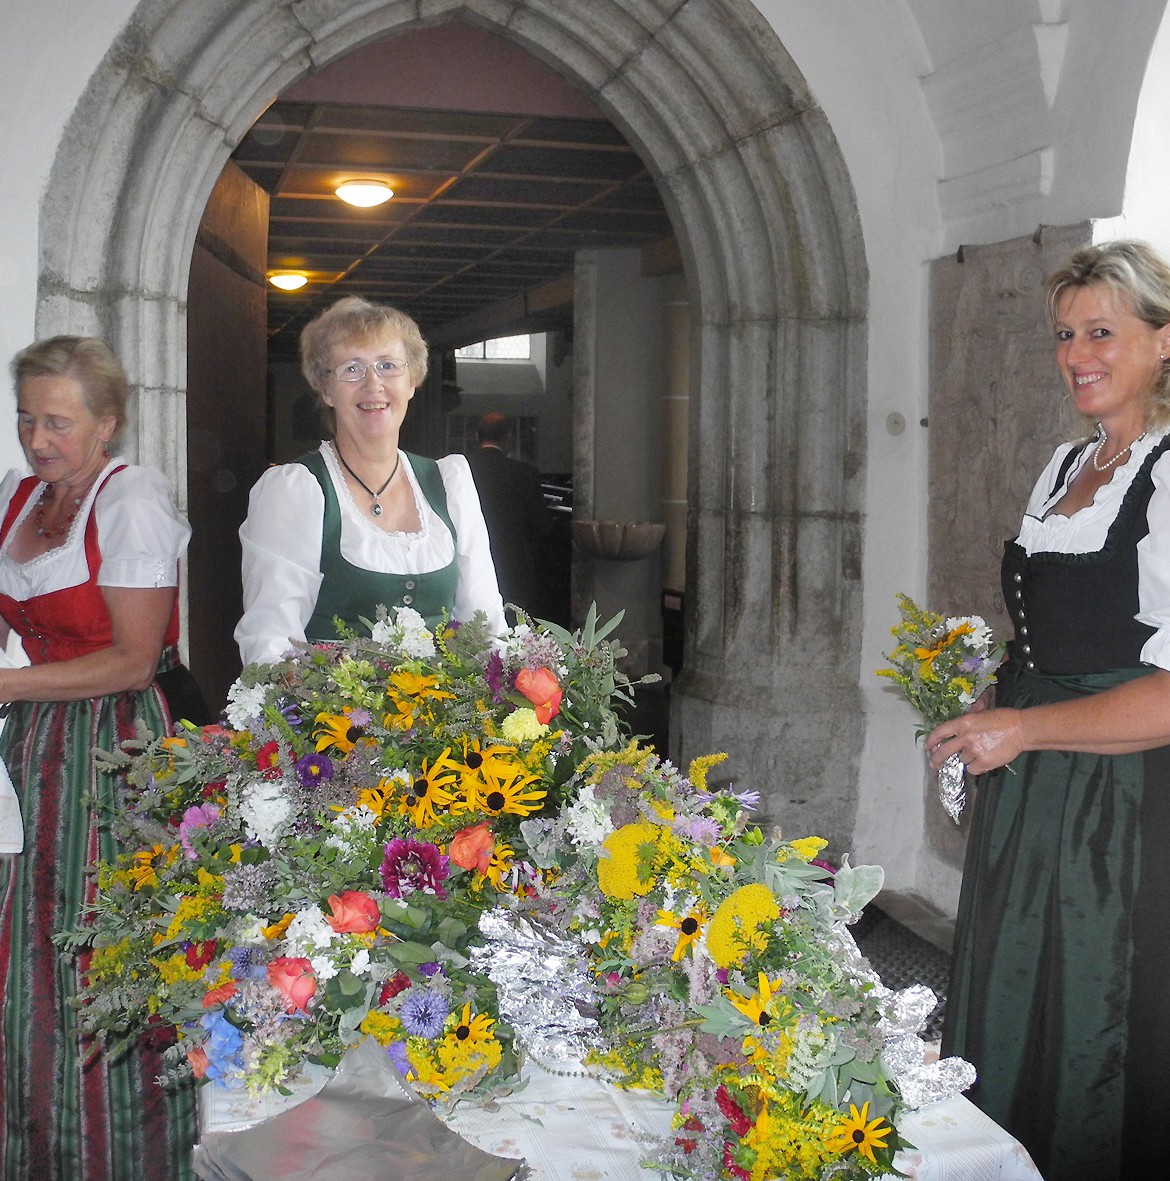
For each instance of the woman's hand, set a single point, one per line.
(983, 739)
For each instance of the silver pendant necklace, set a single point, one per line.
(375, 508)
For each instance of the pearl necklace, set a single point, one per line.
(376, 508)
(1104, 467)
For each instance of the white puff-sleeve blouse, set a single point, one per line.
(281, 540)
(1043, 531)
(141, 534)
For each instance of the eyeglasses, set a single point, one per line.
(356, 371)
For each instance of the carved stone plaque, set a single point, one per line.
(997, 411)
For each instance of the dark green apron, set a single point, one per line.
(350, 593)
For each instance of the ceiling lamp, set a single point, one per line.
(364, 193)
(288, 280)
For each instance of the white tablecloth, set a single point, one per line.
(575, 1127)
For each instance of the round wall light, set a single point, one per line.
(364, 193)
(288, 280)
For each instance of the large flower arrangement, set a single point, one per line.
(318, 870)
(726, 979)
(315, 872)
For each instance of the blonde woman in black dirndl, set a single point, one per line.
(1058, 993)
(89, 551)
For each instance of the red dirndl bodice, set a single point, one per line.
(64, 624)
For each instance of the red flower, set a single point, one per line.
(736, 1116)
(544, 691)
(214, 789)
(471, 848)
(268, 760)
(292, 977)
(734, 1169)
(690, 1124)
(353, 913)
(396, 984)
(199, 955)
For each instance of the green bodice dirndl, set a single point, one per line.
(350, 593)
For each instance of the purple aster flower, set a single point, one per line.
(429, 969)
(413, 865)
(200, 816)
(312, 768)
(360, 717)
(746, 799)
(423, 1013)
(493, 677)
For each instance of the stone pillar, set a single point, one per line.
(618, 430)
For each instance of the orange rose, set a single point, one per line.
(292, 977)
(353, 913)
(471, 848)
(197, 1057)
(220, 995)
(543, 690)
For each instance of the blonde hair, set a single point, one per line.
(84, 359)
(1137, 274)
(354, 320)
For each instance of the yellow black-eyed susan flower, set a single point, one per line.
(859, 1133)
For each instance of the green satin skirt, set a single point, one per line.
(1059, 988)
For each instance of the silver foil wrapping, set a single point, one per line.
(366, 1122)
(543, 984)
(919, 1081)
(952, 787)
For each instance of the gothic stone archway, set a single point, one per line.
(765, 215)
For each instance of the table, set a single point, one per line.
(571, 1127)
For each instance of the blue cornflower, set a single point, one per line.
(397, 1054)
(292, 713)
(423, 1013)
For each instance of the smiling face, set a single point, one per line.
(369, 411)
(64, 442)
(1109, 357)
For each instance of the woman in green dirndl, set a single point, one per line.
(360, 523)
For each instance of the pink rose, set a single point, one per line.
(471, 848)
(543, 690)
(292, 977)
(353, 913)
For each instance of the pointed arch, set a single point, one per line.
(765, 215)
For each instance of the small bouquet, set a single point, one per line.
(944, 665)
